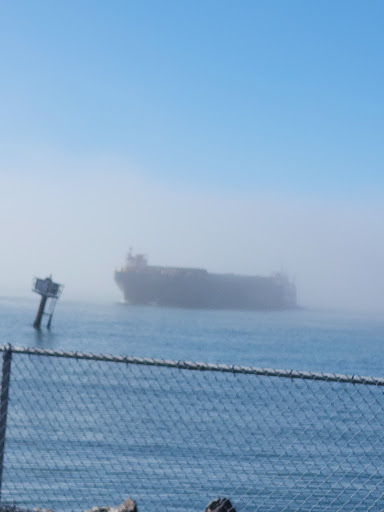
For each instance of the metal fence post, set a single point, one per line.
(5, 377)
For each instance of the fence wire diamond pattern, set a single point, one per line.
(85, 430)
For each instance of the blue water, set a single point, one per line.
(315, 340)
(84, 433)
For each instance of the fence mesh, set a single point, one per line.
(85, 431)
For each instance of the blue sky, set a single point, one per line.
(223, 106)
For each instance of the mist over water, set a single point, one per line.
(83, 228)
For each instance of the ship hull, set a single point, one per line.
(195, 288)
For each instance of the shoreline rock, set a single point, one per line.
(220, 505)
(129, 505)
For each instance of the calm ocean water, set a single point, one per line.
(315, 340)
(83, 433)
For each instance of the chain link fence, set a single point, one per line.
(84, 430)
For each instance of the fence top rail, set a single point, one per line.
(198, 366)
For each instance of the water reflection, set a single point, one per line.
(44, 338)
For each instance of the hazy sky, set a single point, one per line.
(236, 136)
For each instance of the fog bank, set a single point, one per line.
(78, 220)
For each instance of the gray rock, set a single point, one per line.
(99, 509)
(220, 505)
(128, 505)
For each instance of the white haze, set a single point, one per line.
(78, 220)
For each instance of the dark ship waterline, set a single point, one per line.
(144, 284)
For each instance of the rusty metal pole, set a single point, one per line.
(5, 377)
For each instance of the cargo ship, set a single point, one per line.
(144, 284)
